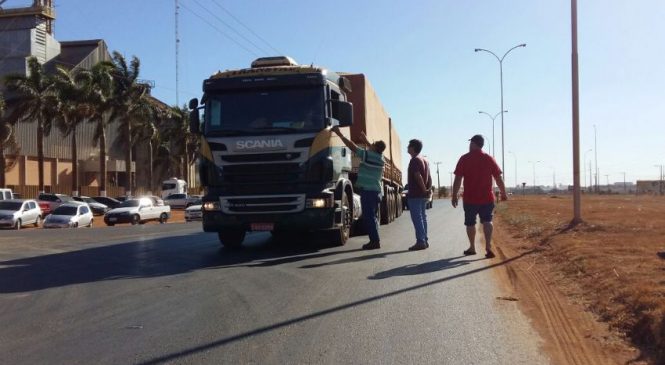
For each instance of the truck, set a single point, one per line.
(137, 211)
(173, 186)
(269, 161)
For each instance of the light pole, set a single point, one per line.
(595, 152)
(515, 156)
(553, 177)
(533, 163)
(660, 179)
(585, 153)
(503, 165)
(438, 180)
(492, 117)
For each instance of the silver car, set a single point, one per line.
(193, 213)
(70, 215)
(16, 213)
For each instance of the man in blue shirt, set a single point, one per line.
(370, 172)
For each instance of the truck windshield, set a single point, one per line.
(265, 111)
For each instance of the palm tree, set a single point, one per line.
(35, 101)
(97, 88)
(72, 111)
(129, 104)
(183, 142)
(7, 142)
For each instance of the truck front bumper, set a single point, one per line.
(313, 219)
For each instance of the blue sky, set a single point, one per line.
(419, 56)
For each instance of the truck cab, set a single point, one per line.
(268, 160)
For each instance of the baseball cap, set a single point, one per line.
(478, 140)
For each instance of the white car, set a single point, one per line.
(137, 211)
(70, 215)
(194, 213)
(15, 213)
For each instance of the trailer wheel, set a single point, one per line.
(385, 217)
(231, 238)
(341, 235)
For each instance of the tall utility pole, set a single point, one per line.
(503, 155)
(624, 183)
(607, 177)
(533, 163)
(660, 179)
(585, 153)
(438, 179)
(577, 194)
(177, 55)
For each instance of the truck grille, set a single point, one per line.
(263, 204)
(262, 173)
(261, 157)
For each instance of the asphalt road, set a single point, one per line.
(169, 294)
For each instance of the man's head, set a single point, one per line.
(414, 147)
(378, 146)
(477, 142)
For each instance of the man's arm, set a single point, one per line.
(456, 186)
(502, 186)
(346, 141)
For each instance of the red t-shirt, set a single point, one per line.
(418, 166)
(477, 168)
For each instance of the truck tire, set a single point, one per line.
(341, 234)
(383, 208)
(135, 219)
(231, 238)
(163, 218)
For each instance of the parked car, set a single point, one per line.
(6, 194)
(137, 211)
(176, 200)
(194, 200)
(96, 207)
(109, 202)
(155, 200)
(122, 198)
(52, 201)
(70, 215)
(194, 213)
(405, 200)
(16, 213)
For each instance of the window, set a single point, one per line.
(32, 205)
(84, 210)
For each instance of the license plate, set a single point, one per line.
(113, 219)
(262, 226)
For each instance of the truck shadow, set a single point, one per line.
(150, 258)
(424, 268)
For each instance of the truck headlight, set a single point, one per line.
(320, 203)
(211, 206)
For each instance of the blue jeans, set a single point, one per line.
(417, 208)
(369, 201)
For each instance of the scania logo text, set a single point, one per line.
(258, 144)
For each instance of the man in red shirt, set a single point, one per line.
(477, 169)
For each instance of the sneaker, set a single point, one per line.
(372, 245)
(418, 246)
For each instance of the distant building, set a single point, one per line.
(650, 186)
(27, 32)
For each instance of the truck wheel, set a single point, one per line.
(383, 207)
(135, 219)
(163, 218)
(231, 238)
(341, 235)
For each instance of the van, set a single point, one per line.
(6, 194)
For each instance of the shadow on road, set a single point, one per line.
(355, 259)
(225, 341)
(151, 258)
(424, 268)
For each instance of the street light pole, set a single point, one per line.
(438, 180)
(492, 117)
(503, 165)
(585, 153)
(533, 164)
(515, 156)
(595, 152)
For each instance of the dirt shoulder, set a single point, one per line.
(589, 288)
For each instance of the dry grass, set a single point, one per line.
(611, 259)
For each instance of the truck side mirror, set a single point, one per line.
(343, 112)
(194, 119)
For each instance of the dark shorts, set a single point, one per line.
(482, 210)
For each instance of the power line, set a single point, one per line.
(229, 26)
(219, 30)
(245, 26)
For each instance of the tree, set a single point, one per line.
(7, 142)
(72, 111)
(129, 105)
(183, 143)
(97, 89)
(35, 101)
